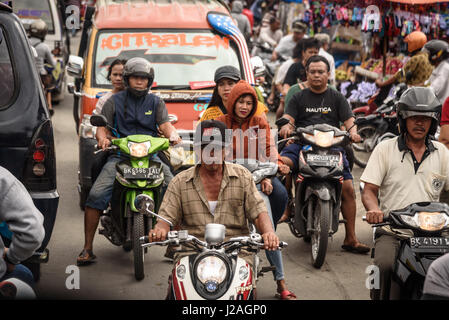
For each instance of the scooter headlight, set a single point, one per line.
(322, 139)
(139, 150)
(211, 271)
(428, 221)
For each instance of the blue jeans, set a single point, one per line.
(278, 200)
(101, 192)
(22, 273)
(274, 257)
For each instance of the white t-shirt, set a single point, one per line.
(212, 206)
(285, 46)
(101, 102)
(331, 61)
(282, 71)
(439, 80)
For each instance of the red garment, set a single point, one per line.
(250, 16)
(445, 113)
(246, 141)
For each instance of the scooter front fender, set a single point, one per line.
(182, 288)
(323, 191)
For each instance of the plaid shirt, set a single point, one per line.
(185, 202)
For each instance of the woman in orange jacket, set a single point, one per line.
(252, 140)
(225, 78)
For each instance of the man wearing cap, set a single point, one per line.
(214, 192)
(285, 47)
(418, 69)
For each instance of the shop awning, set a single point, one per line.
(418, 1)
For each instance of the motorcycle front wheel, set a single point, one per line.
(320, 235)
(138, 232)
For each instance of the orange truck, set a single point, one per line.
(186, 41)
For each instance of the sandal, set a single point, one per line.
(286, 295)
(360, 248)
(85, 257)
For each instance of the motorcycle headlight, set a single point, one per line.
(139, 150)
(320, 138)
(211, 271)
(428, 221)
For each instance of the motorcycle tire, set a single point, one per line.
(361, 155)
(138, 232)
(320, 237)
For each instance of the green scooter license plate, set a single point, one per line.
(141, 173)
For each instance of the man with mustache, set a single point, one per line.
(404, 170)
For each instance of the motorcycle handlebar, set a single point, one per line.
(113, 147)
(145, 242)
(386, 221)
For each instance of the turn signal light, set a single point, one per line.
(39, 156)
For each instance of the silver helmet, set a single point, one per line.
(139, 67)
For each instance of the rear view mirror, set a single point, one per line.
(98, 120)
(75, 66)
(281, 122)
(258, 66)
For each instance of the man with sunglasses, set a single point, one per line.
(319, 104)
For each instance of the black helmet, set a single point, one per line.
(138, 67)
(419, 101)
(438, 50)
(38, 29)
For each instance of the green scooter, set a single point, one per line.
(122, 223)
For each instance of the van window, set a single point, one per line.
(7, 79)
(34, 9)
(178, 57)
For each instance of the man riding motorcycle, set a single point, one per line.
(315, 105)
(214, 192)
(38, 32)
(407, 169)
(438, 51)
(132, 111)
(418, 69)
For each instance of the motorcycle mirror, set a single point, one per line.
(141, 202)
(98, 120)
(281, 122)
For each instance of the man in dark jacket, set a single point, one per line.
(242, 20)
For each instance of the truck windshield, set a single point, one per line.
(179, 58)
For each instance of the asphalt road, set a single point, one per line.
(111, 277)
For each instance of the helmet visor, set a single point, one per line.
(408, 114)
